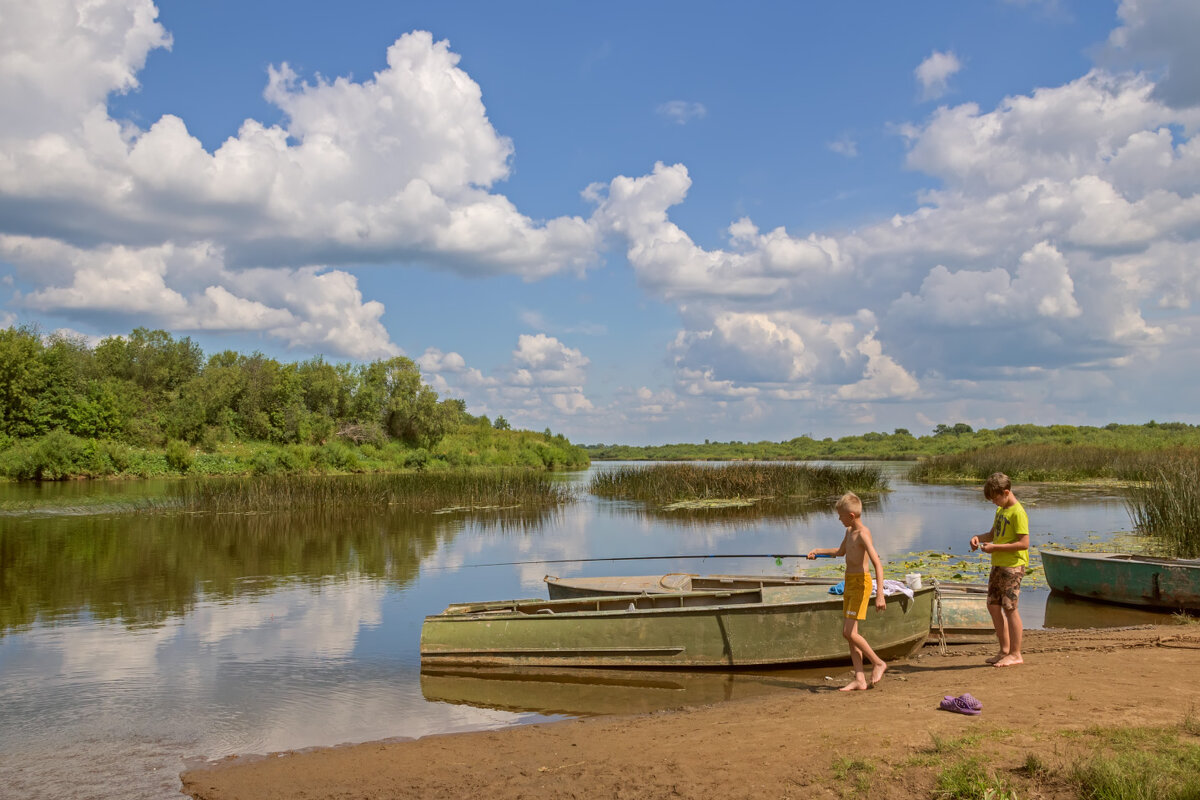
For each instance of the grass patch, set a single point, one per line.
(457, 490)
(1191, 723)
(689, 485)
(856, 770)
(1139, 763)
(969, 779)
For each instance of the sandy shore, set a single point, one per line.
(779, 746)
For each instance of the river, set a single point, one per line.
(133, 644)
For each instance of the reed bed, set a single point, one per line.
(1167, 507)
(426, 492)
(664, 484)
(1047, 462)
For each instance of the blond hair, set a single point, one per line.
(849, 502)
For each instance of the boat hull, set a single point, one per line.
(776, 625)
(959, 609)
(1158, 583)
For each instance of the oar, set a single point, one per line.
(778, 558)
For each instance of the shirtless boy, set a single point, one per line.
(859, 550)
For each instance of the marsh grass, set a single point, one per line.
(1049, 462)
(428, 492)
(691, 485)
(1167, 506)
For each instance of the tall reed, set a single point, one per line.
(1046, 462)
(417, 491)
(668, 483)
(1167, 506)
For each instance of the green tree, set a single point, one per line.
(22, 380)
(154, 360)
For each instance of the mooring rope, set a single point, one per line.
(937, 598)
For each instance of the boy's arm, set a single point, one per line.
(1020, 544)
(829, 551)
(981, 539)
(869, 544)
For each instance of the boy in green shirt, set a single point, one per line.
(1008, 543)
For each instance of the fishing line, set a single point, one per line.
(779, 557)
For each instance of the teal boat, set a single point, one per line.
(743, 627)
(1162, 583)
(959, 609)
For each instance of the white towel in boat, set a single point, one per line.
(893, 587)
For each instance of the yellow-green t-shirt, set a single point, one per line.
(1010, 525)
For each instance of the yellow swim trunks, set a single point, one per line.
(857, 595)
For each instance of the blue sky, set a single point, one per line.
(636, 222)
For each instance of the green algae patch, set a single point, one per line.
(712, 502)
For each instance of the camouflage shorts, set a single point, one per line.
(1004, 587)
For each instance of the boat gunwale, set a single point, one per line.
(501, 614)
(1124, 558)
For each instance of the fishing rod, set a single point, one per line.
(779, 557)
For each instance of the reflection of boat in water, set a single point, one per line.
(770, 625)
(587, 692)
(1166, 583)
(1064, 611)
(959, 609)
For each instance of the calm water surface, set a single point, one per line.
(132, 644)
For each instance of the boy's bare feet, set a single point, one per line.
(856, 685)
(1010, 660)
(877, 673)
(996, 658)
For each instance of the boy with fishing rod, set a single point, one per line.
(1008, 544)
(859, 550)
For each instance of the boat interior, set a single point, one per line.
(643, 602)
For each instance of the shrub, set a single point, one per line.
(179, 456)
(265, 462)
(338, 455)
(54, 457)
(417, 459)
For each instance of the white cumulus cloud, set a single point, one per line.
(934, 73)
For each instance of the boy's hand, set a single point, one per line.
(987, 547)
(975, 544)
(880, 602)
(812, 555)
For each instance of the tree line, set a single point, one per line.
(902, 445)
(149, 387)
(151, 390)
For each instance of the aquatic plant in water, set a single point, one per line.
(418, 491)
(1167, 506)
(694, 486)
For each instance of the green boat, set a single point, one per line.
(1163, 583)
(959, 609)
(746, 627)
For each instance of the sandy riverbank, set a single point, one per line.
(784, 745)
